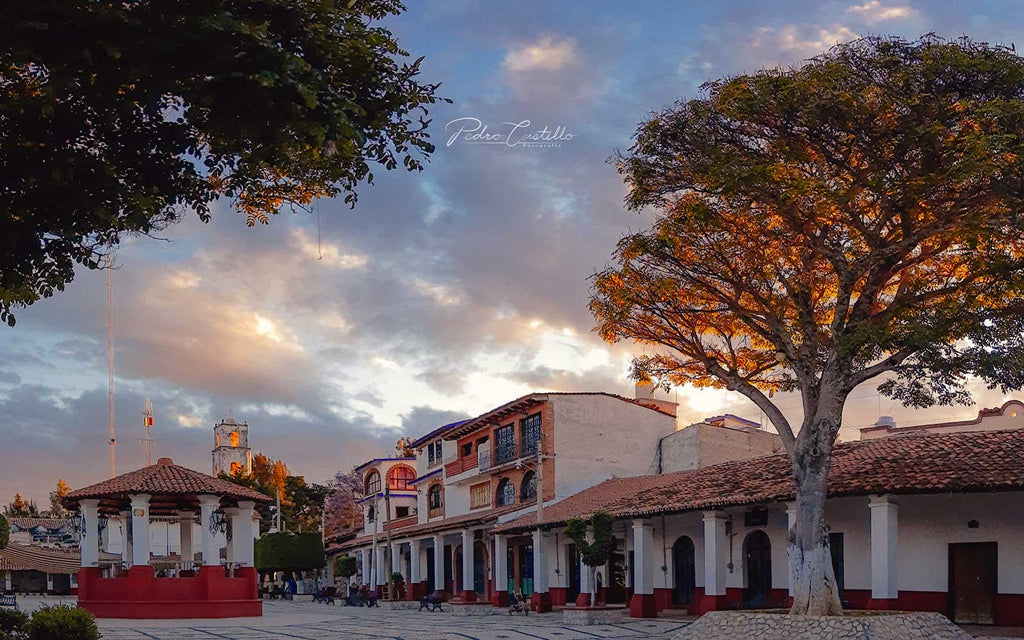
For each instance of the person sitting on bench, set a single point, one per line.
(431, 601)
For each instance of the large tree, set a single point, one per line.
(852, 219)
(120, 117)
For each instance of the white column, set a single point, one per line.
(140, 529)
(380, 565)
(185, 521)
(7, 581)
(500, 563)
(365, 560)
(49, 582)
(207, 505)
(414, 562)
(540, 566)
(240, 549)
(126, 539)
(467, 560)
(790, 524)
(439, 563)
(716, 553)
(90, 510)
(643, 560)
(585, 586)
(396, 560)
(884, 547)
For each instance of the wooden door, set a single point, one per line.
(683, 569)
(759, 568)
(973, 582)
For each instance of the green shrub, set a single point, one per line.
(62, 622)
(5, 531)
(287, 551)
(346, 567)
(397, 578)
(13, 624)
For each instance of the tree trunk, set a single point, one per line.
(815, 590)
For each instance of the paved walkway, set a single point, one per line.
(307, 621)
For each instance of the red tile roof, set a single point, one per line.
(530, 399)
(435, 526)
(19, 557)
(164, 481)
(29, 523)
(907, 464)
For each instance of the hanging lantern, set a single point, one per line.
(78, 524)
(218, 521)
(103, 523)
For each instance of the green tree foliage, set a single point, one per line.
(5, 532)
(287, 551)
(13, 624)
(120, 118)
(596, 551)
(63, 622)
(21, 508)
(346, 567)
(853, 219)
(302, 504)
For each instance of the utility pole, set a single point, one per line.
(147, 424)
(277, 495)
(373, 547)
(389, 564)
(110, 369)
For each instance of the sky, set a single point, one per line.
(444, 293)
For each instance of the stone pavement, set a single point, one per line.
(307, 621)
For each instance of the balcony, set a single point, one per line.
(459, 465)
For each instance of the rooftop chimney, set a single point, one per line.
(885, 421)
(644, 391)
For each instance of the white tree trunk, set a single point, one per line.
(815, 591)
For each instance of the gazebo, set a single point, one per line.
(204, 588)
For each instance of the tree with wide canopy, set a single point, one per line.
(852, 219)
(122, 117)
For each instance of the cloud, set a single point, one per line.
(874, 11)
(804, 40)
(330, 254)
(546, 54)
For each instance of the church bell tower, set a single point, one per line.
(231, 452)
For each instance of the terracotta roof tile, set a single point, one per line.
(436, 526)
(907, 464)
(29, 523)
(164, 479)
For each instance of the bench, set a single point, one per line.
(325, 596)
(9, 601)
(431, 602)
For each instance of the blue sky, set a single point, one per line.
(443, 293)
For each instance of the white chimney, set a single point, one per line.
(885, 421)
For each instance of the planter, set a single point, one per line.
(855, 625)
(586, 616)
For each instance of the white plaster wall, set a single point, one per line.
(928, 524)
(456, 500)
(675, 526)
(852, 518)
(599, 437)
(703, 445)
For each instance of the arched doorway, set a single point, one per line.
(480, 568)
(759, 567)
(683, 571)
(457, 569)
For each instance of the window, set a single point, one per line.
(369, 513)
(504, 444)
(467, 450)
(529, 434)
(401, 512)
(435, 501)
(400, 476)
(372, 484)
(528, 490)
(480, 495)
(434, 453)
(234, 438)
(506, 493)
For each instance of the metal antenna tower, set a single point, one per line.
(147, 424)
(110, 369)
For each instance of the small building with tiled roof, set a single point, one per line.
(201, 584)
(920, 521)
(43, 531)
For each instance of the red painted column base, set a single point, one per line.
(583, 600)
(710, 603)
(467, 596)
(541, 602)
(417, 590)
(643, 605)
(499, 598)
(882, 604)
